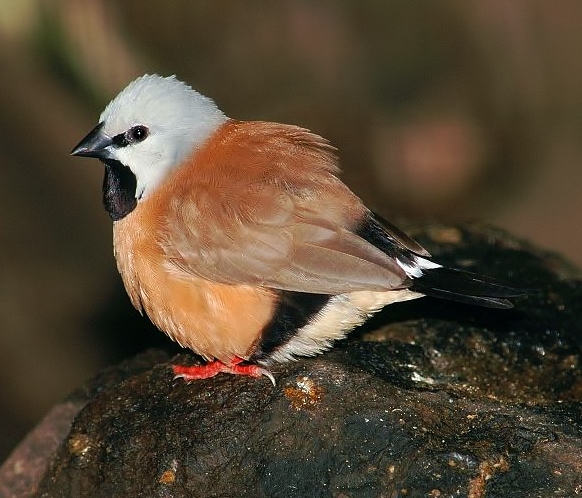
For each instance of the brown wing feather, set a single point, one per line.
(261, 204)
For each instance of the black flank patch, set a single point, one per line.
(293, 311)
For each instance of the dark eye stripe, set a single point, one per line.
(120, 140)
(134, 135)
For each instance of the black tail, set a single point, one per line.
(464, 287)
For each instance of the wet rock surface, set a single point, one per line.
(430, 398)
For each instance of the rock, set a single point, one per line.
(430, 398)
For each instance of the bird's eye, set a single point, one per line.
(136, 134)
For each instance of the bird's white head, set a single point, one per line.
(150, 127)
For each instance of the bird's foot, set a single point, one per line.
(215, 367)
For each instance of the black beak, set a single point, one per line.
(94, 144)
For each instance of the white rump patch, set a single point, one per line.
(415, 268)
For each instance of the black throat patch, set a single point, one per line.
(119, 186)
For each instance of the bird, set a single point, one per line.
(239, 240)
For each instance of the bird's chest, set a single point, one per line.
(135, 260)
(214, 319)
(152, 283)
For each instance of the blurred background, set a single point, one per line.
(449, 110)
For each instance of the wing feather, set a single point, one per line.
(280, 219)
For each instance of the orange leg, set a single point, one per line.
(215, 367)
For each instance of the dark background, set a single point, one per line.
(457, 109)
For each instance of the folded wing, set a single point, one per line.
(270, 211)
